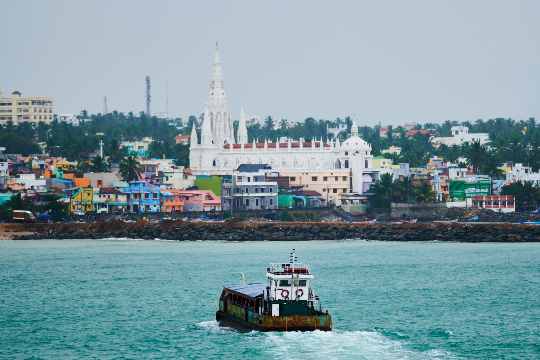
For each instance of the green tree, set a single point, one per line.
(476, 155)
(382, 193)
(99, 164)
(526, 195)
(130, 169)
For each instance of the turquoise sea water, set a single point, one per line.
(155, 299)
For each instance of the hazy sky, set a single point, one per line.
(381, 61)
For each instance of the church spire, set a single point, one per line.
(206, 131)
(194, 140)
(241, 134)
(220, 118)
(354, 128)
(217, 71)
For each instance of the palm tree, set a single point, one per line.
(99, 164)
(130, 169)
(382, 193)
(476, 155)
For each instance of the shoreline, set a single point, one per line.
(275, 231)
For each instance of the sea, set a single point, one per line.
(153, 299)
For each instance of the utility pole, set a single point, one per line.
(148, 96)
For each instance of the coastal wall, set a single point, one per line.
(273, 231)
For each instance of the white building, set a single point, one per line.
(218, 152)
(523, 174)
(69, 119)
(460, 136)
(18, 108)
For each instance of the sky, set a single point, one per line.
(388, 62)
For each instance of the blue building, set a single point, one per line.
(142, 197)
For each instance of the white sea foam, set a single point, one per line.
(213, 326)
(344, 345)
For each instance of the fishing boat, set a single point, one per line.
(286, 302)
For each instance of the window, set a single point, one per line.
(284, 283)
(335, 178)
(325, 178)
(344, 178)
(334, 191)
(346, 164)
(366, 164)
(270, 201)
(313, 178)
(292, 178)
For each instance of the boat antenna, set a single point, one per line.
(292, 256)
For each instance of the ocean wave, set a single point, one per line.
(345, 345)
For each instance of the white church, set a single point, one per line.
(219, 151)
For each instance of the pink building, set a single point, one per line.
(176, 200)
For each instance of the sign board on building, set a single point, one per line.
(462, 189)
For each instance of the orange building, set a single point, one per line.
(176, 200)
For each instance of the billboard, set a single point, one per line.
(465, 189)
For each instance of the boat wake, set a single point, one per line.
(345, 345)
(213, 326)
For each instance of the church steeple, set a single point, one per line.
(217, 71)
(218, 113)
(354, 128)
(241, 134)
(194, 140)
(206, 131)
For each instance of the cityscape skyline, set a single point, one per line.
(359, 60)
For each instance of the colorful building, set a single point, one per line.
(143, 197)
(81, 200)
(110, 200)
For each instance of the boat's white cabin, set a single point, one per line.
(290, 281)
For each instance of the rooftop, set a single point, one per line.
(251, 290)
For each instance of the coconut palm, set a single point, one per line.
(130, 169)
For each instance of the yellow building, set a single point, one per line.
(380, 162)
(18, 108)
(82, 201)
(329, 183)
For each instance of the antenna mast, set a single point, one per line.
(148, 96)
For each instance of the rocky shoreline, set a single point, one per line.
(277, 231)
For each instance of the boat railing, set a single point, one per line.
(288, 268)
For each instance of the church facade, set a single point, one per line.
(218, 151)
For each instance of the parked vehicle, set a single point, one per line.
(23, 216)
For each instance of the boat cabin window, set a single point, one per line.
(298, 282)
(284, 283)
